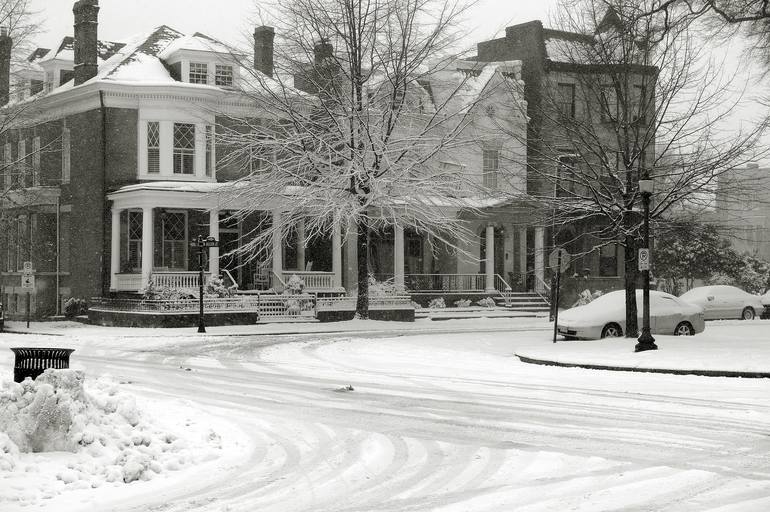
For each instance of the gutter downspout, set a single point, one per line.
(58, 258)
(104, 177)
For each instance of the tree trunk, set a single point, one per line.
(362, 259)
(632, 326)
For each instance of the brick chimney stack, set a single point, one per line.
(323, 52)
(263, 49)
(6, 43)
(86, 22)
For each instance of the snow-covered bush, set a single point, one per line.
(586, 296)
(462, 303)
(381, 288)
(75, 307)
(487, 302)
(416, 305)
(294, 286)
(154, 292)
(215, 287)
(437, 303)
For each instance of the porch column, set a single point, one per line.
(337, 255)
(147, 244)
(523, 256)
(277, 245)
(398, 257)
(214, 251)
(490, 260)
(539, 260)
(301, 246)
(115, 249)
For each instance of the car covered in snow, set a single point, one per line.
(723, 301)
(605, 316)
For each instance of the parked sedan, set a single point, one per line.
(606, 316)
(723, 301)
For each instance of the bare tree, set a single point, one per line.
(630, 97)
(356, 138)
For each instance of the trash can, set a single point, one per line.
(31, 362)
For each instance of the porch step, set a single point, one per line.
(522, 301)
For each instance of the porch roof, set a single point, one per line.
(182, 194)
(226, 195)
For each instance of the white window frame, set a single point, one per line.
(166, 117)
(198, 74)
(149, 170)
(223, 70)
(490, 175)
(137, 241)
(21, 164)
(183, 152)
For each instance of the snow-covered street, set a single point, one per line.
(434, 421)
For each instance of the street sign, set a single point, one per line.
(28, 282)
(644, 259)
(553, 259)
(206, 242)
(28, 267)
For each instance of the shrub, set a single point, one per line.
(75, 307)
(487, 302)
(416, 305)
(381, 288)
(462, 303)
(295, 286)
(215, 287)
(437, 303)
(586, 296)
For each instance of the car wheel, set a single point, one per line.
(684, 329)
(612, 330)
(747, 314)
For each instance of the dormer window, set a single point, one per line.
(199, 72)
(224, 75)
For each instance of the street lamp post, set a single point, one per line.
(646, 341)
(203, 244)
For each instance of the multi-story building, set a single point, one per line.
(742, 208)
(571, 99)
(111, 170)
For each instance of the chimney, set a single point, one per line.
(86, 22)
(323, 51)
(263, 49)
(5, 65)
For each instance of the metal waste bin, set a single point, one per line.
(31, 362)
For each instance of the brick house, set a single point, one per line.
(115, 159)
(553, 79)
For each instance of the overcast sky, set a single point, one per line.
(228, 19)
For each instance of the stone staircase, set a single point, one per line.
(522, 301)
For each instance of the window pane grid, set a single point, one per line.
(184, 148)
(174, 230)
(198, 73)
(223, 75)
(491, 165)
(153, 147)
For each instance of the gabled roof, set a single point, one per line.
(65, 51)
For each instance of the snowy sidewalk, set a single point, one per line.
(726, 348)
(491, 322)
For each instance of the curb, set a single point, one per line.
(700, 373)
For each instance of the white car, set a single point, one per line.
(605, 316)
(723, 301)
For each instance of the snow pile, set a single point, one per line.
(107, 437)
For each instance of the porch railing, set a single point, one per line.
(178, 280)
(128, 282)
(272, 306)
(313, 280)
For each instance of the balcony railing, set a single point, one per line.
(314, 281)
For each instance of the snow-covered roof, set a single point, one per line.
(466, 81)
(66, 51)
(196, 42)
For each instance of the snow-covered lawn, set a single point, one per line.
(446, 419)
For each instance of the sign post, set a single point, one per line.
(202, 244)
(559, 262)
(28, 284)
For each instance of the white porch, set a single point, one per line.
(146, 248)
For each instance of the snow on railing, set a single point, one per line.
(375, 302)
